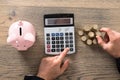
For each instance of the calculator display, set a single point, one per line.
(59, 21)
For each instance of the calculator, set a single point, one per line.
(59, 33)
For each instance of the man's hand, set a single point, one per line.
(110, 42)
(52, 67)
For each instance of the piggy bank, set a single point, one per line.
(21, 35)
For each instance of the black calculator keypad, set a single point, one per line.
(61, 42)
(71, 33)
(71, 45)
(53, 42)
(48, 42)
(47, 34)
(71, 41)
(57, 38)
(53, 46)
(52, 50)
(48, 38)
(67, 45)
(57, 46)
(66, 34)
(62, 50)
(61, 38)
(71, 49)
(56, 42)
(53, 38)
(62, 46)
(57, 50)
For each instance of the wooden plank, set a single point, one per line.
(64, 3)
(89, 63)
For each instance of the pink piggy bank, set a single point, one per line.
(21, 35)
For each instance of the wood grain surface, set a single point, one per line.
(88, 63)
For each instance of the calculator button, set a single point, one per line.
(71, 49)
(57, 38)
(48, 38)
(61, 38)
(62, 42)
(66, 41)
(61, 34)
(48, 50)
(53, 42)
(66, 38)
(57, 34)
(67, 45)
(53, 34)
(62, 46)
(47, 34)
(58, 50)
(71, 45)
(71, 41)
(53, 38)
(66, 34)
(62, 49)
(48, 46)
(71, 37)
(57, 42)
(70, 33)
(57, 46)
(53, 46)
(48, 42)
(53, 50)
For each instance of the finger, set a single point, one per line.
(106, 38)
(63, 54)
(64, 66)
(108, 31)
(100, 41)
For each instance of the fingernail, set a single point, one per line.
(68, 48)
(97, 36)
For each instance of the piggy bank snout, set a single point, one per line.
(21, 43)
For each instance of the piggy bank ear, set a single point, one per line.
(11, 39)
(29, 39)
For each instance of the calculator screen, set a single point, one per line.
(59, 21)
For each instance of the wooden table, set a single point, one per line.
(89, 63)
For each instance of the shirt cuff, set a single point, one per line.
(33, 78)
(118, 64)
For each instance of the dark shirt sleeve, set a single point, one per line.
(118, 64)
(33, 78)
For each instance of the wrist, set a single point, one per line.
(115, 55)
(42, 76)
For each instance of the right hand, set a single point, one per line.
(52, 67)
(111, 42)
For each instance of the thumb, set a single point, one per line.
(65, 66)
(100, 41)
